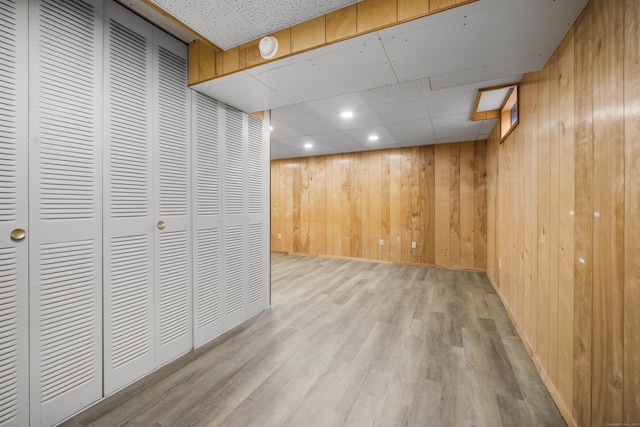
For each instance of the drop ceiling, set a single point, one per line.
(410, 84)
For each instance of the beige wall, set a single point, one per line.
(572, 282)
(343, 205)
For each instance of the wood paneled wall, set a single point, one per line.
(343, 205)
(564, 217)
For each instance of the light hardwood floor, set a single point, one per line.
(350, 343)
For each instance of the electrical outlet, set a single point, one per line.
(499, 262)
(381, 242)
(279, 236)
(413, 245)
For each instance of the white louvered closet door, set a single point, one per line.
(206, 220)
(173, 269)
(129, 350)
(235, 219)
(259, 271)
(65, 179)
(14, 253)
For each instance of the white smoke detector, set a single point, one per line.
(268, 47)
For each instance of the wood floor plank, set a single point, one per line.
(349, 343)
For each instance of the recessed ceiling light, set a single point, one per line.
(346, 114)
(373, 137)
(308, 145)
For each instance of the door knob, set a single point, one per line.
(161, 225)
(18, 234)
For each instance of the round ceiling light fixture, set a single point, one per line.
(268, 47)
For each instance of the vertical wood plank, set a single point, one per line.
(436, 5)
(376, 14)
(337, 235)
(395, 205)
(289, 221)
(311, 175)
(308, 34)
(454, 221)
(375, 204)
(345, 191)
(467, 202)
(533, 226)
(406, 203)
(275, 199)
(330, 207)
(429, 186)
(230, 60)
(608, 200)
(408, 9)
(283, 203)
(632, 218)
(583, 261)
(301, 207)
(386, 204)
(443, 201)
(418, 201)
(366, 190)
(554, 174)
(356, 206)
(194, 61)
(520, 179)
(480, 205)
(321, 204)
(526, 108)
(341, 24)
(566, 223)
(544, 185)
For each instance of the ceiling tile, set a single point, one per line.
(302, 118)
(333, 74)
(401, 102)
(243, 92)
(416, 132)
(457, 125)
(331, 108)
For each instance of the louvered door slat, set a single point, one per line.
(129, 349)
(65, 48)
(172, 195)
(14, 322)
(207, 271)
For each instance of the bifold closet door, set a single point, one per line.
(65, 207)
(245, 220)
(258, 232)
(129, 350)
(207, 240)
(14, 249)
(172, 197)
